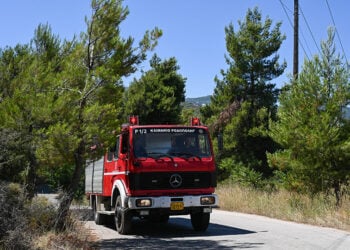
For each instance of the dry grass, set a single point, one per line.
(76, 237)
(319, 210)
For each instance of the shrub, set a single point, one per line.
(22, 220)
(40, 215)
(241, 174)
(12, 219)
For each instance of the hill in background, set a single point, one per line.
(198, 101)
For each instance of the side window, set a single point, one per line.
(117, 150)
(204, 145)
(125, 143)
(110, 153)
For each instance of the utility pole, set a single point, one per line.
(296, 40)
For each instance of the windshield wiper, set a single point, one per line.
(161, 155)
(184, 154)
(144, 157)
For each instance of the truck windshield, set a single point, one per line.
(171, 142)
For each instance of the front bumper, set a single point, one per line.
(188, 201)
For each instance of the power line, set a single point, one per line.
(305, 41)
(285, 11)
(308, 26)
(291, 24)
(336, 31)
(301, 31)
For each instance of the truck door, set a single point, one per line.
(122, 153)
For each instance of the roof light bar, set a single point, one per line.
(134, 120)
(195, 121)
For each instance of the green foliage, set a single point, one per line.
(311, 125)
(87, 92)
(192, 108)
(14, 153)
(252, 61)
(187, 113)
(59, 98)
(157, 95)
(240, 174)
(287, 171)
(58, 178)
(26, 99)
(88, 88)
(244, 99)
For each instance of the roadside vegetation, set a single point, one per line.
(319, 210)
(30, 224)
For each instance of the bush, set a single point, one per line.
(22, 220)
(241, 174)
(12, 200)
(40, 215)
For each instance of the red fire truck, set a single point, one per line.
(153, 172)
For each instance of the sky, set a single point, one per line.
(193, 30)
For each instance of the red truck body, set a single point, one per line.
(153, 172)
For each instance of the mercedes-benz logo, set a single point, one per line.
(175, 180)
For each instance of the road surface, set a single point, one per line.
(228, 230)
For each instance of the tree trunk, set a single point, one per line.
(67, 198)
(30, 180)
(31, 176)
(337, 192)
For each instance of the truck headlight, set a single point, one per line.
(207, 200)
(143, 202)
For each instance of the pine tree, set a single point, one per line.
(245, 98)
(27, 72)
(86, 93)
(312, 128)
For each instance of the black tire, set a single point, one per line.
(200, 221)
(122, 218)
(99, 218)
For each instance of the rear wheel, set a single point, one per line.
(99, 218)
(122, 218)
(200, 221)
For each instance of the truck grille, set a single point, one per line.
(177, 180)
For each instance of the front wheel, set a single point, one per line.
(200, 221)
(122, 218)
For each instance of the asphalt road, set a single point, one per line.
(228, 230)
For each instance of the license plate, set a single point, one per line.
(178, 205)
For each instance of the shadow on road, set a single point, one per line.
(176, 234)
(153, 243)
(181, 227)
(176, 227)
